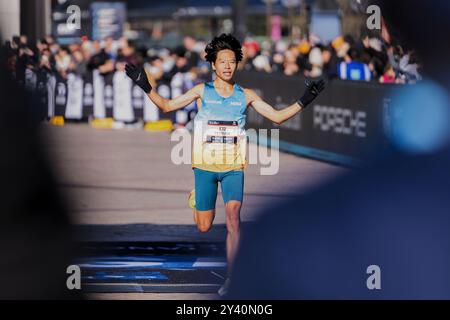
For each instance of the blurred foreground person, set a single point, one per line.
(35, 244)
(381, 232)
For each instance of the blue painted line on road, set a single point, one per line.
(101, 275)
(139, 262)
(152, 267)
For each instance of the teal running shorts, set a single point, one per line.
(231, 182)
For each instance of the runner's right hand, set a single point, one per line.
(139, 77)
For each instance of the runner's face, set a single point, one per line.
(225, 65)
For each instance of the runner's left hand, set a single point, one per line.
(313, 89)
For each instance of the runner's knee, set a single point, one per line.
(233, 216)
(205, 220)
(233, 209)
(204, 227)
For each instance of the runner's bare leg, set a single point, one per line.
(233, 209)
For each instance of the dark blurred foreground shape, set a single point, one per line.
(35, 235)
(394, 214)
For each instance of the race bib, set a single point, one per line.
(219, 145)
(222, 132)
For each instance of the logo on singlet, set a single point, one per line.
(213, 102)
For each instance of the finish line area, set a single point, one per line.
(136, 234)
(152, 267)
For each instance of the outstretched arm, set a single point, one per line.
(139, 77)
(313, 89)
(168, 105)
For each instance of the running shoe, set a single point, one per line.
(191, 199)
(223, 291)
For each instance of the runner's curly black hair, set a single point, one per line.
(222, 42)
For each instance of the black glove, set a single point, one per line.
(313, 89)
(139, 77)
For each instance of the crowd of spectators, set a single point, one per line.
(366, 59)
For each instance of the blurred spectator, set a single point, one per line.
(180, 65)
(191, 54)
(290, 64)
(35, 228)
(277, 62)
(353, 69)
(301, 52)
(409, 68)
(155, 69)
(100, 59)
(111, 48)
(330, 62)
(316, 62)
(63, 61)
(126, 53)
(78, 65)
(378, 216)
(250, 49)
(388, 76)
(47, 61)
(261, 63)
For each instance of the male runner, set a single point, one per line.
(219, 135)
